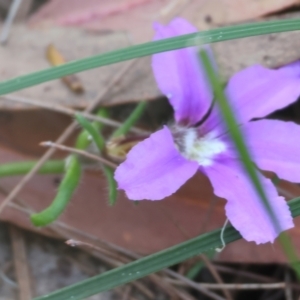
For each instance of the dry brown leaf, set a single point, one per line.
(136, 16)
(145, 228)
(224, 12)
(25, 53)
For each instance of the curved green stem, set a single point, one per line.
(69, 182)
(64, 193)
(100, 143)
(92, 131)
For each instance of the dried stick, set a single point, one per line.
(56, 229)
(288, 290)
(114, 263)
(80, 152)
(216, 275)
(20, 262)
(234, 286)
(206, 261)
(63, 137)
(113, 258)
(70, 112)
(14, 7)
(105, 251)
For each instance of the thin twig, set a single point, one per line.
(20, 262)
(215, 274)
(126, 293)
(245, 274)
(80, 152)
(64, 136)
(288, 290)
(13, 9)
(186, 295)
(61, 229)
(120, 292)
(113, 254)
(193, 284)
(234, 286)
(166, 271)
(111, 261)
(206, 261)
(70, 112)
(114, 257)
(8, 281)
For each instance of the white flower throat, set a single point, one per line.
(200, 149)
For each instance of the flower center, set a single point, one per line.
(201, 149)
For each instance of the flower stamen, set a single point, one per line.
(201, 149)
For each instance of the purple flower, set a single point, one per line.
(158, 166)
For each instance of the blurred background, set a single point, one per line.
(37, 34)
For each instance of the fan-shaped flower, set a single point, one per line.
(156, 167)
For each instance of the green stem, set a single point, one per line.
(100, 143)
(112, 185)
(64, 194)
(83, 140)
(92, 132)
(131, 120)
(23, 167)
(69, 183)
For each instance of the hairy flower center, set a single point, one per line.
(201, 149)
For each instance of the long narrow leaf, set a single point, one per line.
(205, 37)
(152, 263)
(237, 137)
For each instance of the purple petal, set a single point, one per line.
(256, 91)
(180, 76)
(292, 69)
(154, 169)
(274, 146)
(244, 208)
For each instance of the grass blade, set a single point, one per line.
(201, 38)
(237, 137)
(152, 263)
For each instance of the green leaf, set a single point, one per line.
(237, 137)
(205, 37)
(152, 263)
(236, 134)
